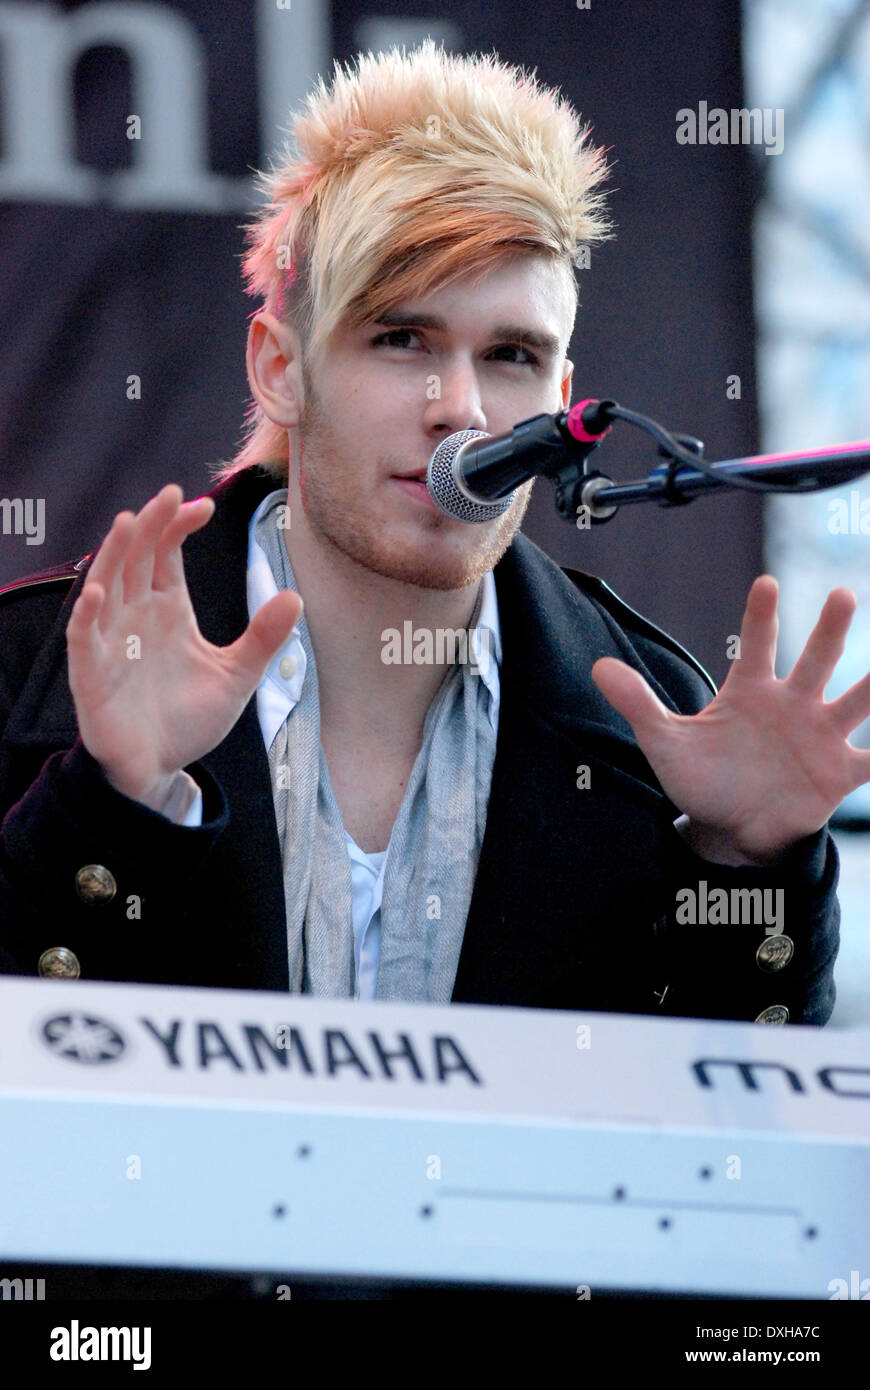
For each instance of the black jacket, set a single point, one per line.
(575, 896)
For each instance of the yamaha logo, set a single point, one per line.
(83, 1038)
(210, 1045)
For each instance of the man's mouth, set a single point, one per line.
(413, 484)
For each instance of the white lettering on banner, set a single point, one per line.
(169, 71)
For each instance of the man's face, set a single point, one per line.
(470, 356)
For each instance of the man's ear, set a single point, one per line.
(567, 378)
(274, 364)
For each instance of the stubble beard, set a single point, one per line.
(336, 522)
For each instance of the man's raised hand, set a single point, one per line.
(151, 694)
(767, 762)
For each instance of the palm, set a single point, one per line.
(151, 694)
(767, 761)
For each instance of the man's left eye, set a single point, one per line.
(528, 358)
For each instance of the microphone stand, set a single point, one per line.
(685, 474)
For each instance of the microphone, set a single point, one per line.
(472, 475)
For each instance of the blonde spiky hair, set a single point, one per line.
(409, 171)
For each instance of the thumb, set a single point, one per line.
(266, 633)
(629, 694)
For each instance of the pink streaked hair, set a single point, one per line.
(408, 171)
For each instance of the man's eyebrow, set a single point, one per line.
(508, 332)
(515, 332)
(411, 318)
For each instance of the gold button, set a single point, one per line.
(94, 884)
(774, 953)
(287, 666)
(775, 1013)
(59, 963)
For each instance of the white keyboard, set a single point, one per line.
(233, 1130)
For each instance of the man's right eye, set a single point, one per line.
(388, 339)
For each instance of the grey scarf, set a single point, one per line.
(433, 850)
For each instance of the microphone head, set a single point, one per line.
(446, 487)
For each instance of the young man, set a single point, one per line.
(225, 790)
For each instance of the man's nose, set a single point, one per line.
(454, 401)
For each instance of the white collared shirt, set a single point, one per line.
(280, 691)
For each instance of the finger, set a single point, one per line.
(85, 610)
(853, 708)
(266, 634)
(630, 695)
(825, 644)
(83, 627)
(107, 568)
(168, 564)
(758, 631)
(150, 525)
